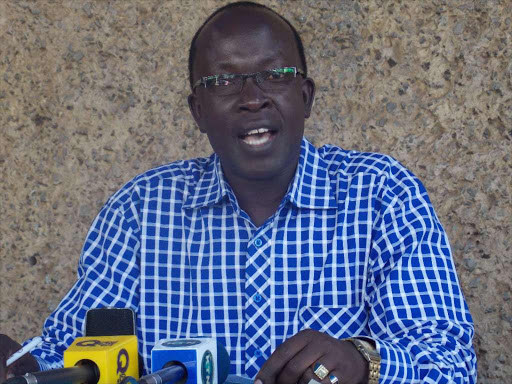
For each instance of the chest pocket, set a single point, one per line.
(339, 322)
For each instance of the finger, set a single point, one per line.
(301, 362)
(334, 377)
(7, 348)
(326, 364)
(16, 369)
(308, 377)
(334, 356)
(312, 381)
(27, 363)
(343, 361)
(282, 355)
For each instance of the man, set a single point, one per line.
(283, 252)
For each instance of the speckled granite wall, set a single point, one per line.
(92, 93)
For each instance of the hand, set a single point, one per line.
(293, 361)
(25, 364)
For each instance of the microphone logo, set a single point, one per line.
(207, 368)
(181, 343)
(95, 343)
(123, 362)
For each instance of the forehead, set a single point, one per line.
(242, 40)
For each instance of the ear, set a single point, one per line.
(308, 95)
(194, 106)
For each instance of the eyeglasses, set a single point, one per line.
(232, 83)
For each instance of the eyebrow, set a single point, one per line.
(225, 66)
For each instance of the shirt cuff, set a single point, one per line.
(43, 365)
(396, 365)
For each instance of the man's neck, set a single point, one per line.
(261, 198)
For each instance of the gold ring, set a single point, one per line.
(320, 371)
(333, 379)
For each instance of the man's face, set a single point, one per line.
(247, 41)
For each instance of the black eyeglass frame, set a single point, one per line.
(244, 76)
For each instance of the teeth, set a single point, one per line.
(256, 140)
(257, 131)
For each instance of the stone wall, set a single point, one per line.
(93, 93)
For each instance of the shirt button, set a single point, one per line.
(257, 353)
(257, 298)
(258, 242)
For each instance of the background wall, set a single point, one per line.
(93, 93)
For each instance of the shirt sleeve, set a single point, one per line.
(108, 275)
(419, 319)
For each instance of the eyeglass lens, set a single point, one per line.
(231, 84)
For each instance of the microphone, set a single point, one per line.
(115, 356)
(91, 360)
(84, 373)
(201, 360)
(170, 375)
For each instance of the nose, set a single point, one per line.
(252, 97)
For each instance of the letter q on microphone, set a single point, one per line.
(198, 356)
(115, 356)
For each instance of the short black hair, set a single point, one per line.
(248, 4)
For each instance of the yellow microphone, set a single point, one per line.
(91, 360)
(114, 357)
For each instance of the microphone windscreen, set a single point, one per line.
(110, 321)
(222, 362)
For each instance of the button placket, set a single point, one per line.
(257, 313)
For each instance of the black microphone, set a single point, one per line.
(84, 373)
(172, 374)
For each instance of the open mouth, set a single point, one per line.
(257, 137)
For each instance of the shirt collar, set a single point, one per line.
(310, 187)
(211, 186)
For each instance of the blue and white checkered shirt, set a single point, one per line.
(354, 249)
